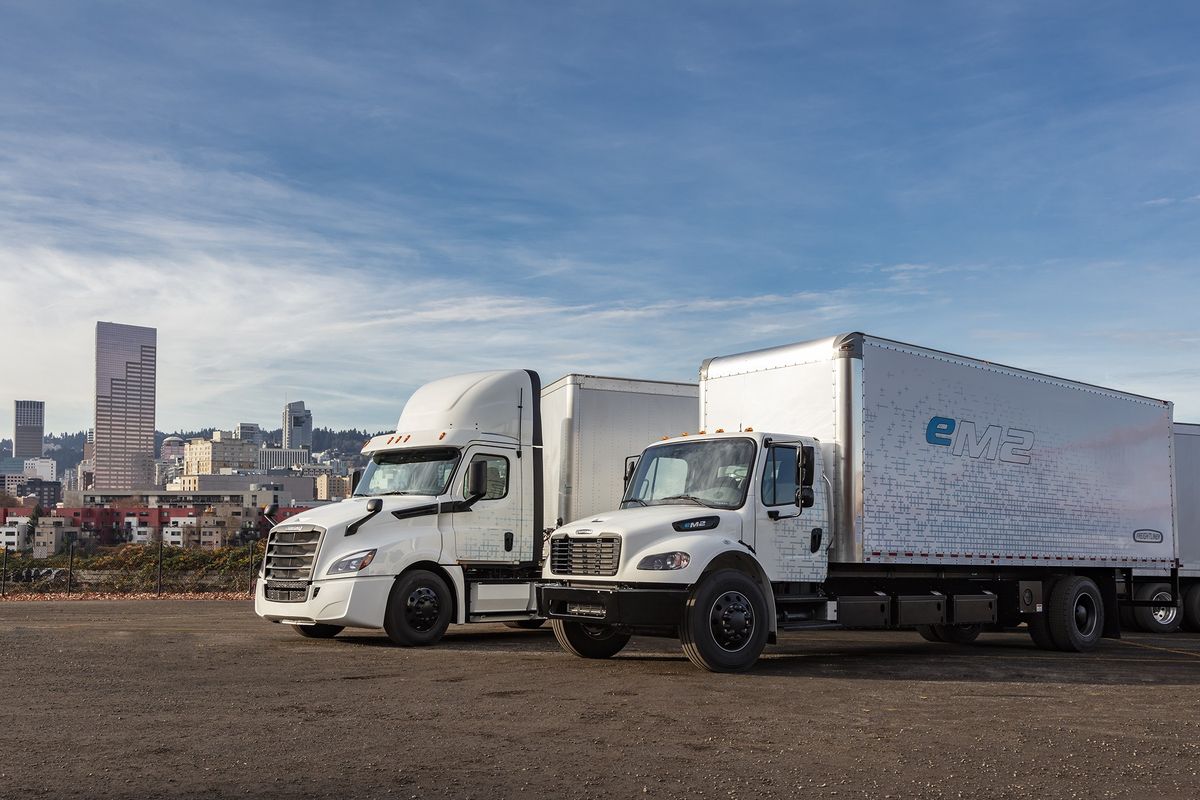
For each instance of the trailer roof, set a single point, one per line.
(849, 345)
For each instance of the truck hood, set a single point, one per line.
(641, 526)
(386, 530)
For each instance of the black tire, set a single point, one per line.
(958, 634)
(725, 622)
(526, 624)
(1076, 614)
(419, 609)
(318, 631)
(1163, 619)
(929, 633)
(588, 641)
(1191, 608)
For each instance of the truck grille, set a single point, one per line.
(291, 555)
(597, 555)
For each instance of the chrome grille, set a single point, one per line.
(594, 555)
(288, 566)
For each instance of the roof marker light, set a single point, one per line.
(749, 430)
(441, 436)
(719, 430)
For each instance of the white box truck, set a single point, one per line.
(448, 520)
(857, 482)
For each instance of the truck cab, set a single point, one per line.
(717, 535)
(445, 524)
(448, 522)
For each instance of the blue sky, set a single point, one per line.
(337, 202)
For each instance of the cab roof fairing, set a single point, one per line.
(454, 410)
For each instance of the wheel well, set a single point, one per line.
(440, 571)
(743, 562)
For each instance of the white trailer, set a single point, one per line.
(448, 521)
(859, 482)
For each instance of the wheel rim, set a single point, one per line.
(1085, 614)
(598, 632)
(1164, 615)
(422, 608)
(731, 621)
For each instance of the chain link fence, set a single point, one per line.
(132, 569)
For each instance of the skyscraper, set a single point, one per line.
(29, 428)
(126, 361)
(297, 426)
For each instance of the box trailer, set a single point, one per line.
(859, 482)
(448, 521)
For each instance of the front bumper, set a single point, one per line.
(632, 607)
(350, 602)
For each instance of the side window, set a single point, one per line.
(779, 477)
(497, 475)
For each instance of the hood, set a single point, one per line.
(643, 525)
(381, 530)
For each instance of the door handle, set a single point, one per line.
(508, 541)
(814, 542)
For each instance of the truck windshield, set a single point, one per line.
(425, 471)
(709, 472)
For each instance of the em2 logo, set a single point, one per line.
(1012, 446)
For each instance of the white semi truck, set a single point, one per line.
(447, 522)
(857, 482)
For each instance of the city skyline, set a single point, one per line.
(604, 191)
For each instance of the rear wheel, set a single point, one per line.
(1076, 614)
(725, 622)
(318, 631)
(958, 634)
(1191, 608)
(526, 624)
(418, 609)
(930, 633)
(588, 641)
(1157, 619)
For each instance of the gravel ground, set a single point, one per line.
(112, 699)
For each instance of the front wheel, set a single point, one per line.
(418, 609)
(725, 622)
(588, 641)
(318, 631)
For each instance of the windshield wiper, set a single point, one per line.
(635, 500)
(693, 498)
(398, 491)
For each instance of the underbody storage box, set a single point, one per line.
(920, 609)
(864, 611)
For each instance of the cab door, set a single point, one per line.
(488, 529)
(792, 542)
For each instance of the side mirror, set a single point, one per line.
(805, 497)
(805, 473)
(631, 463)
(477, 480)
(374, 505)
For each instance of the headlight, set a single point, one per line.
(676, 560)
(352, 563)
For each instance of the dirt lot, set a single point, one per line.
(202, 699)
